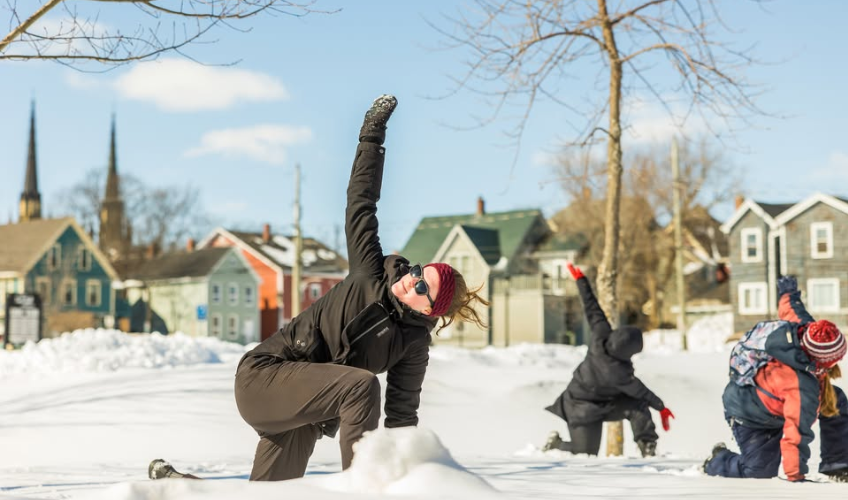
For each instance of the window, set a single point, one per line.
(752, 298)
(92, 293)
(823, 294)
(752, 244)
(83, 259)
(248, 295)
(69, 293)
(216, 293)
(215, 327)
(232, 293)
(232, 326)
(821, 240)
(42, 288)
(315, 291)
(54, 257)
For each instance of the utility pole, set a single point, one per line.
(298, 247)
(678, 245)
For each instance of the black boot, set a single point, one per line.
(160, 469)
(648, 448)
(837, 476)
(717, 448)
(374, 126)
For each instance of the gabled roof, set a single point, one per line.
(194, 264)
(799, 208)
(776, 215)
(23, 244)
(511, 229)
(765, 211)
(278, 252)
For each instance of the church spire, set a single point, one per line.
(30, 206)
(114, 230)
(112, 189)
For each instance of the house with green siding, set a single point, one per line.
(516, 260)
(57, 260)
(807, 239)
(210, 292)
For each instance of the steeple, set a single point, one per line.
(112, 189)
(114, 231)
(30, 206)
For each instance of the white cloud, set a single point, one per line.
(181, 85)
(265, 143)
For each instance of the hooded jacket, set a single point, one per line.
(360, 322)
(606, 375)
(786, 394)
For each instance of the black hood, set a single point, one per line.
(624, 342)
(396, 267)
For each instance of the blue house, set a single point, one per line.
(57, 260)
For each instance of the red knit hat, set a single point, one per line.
(446, 289)
(824, 343)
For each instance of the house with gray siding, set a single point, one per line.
(211, 292)
(808, 240)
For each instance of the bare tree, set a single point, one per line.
(81, 33)
(162, 216)
(708, 178)
(524, 51)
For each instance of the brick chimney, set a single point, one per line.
(266, 233)
(481, 206)
(190, 244)
(739, 201)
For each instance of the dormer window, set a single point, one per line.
(752, 244)
(821, 240)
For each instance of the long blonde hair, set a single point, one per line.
(828, 394)
(462, 305)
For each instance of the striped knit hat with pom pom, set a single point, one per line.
(824, 343)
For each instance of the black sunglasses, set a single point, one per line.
(421, 287)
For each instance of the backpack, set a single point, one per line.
(749, 355)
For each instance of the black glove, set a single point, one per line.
(786, 284)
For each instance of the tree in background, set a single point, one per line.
(708, 180)
(522, 52)
(161, 216)
(84, 33)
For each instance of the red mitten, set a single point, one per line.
(665, 414)
(576, 273)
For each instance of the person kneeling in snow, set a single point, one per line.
(779, 375)
(604, 387)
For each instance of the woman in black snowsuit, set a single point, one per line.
(318, 374)
(604, 387)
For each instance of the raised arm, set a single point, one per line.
(598, 322)
(790, 308)
(363, 191)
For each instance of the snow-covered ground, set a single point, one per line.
(81, 417)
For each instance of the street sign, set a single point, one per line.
(23, 318)
(201, 312)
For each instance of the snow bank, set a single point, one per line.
(524, 355)
(103, 350)
(707, 334)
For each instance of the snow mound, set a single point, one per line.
(405, 461)
(707, 334)
(100, 350)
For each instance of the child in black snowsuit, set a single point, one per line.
(604, 387)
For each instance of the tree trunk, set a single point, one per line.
(608, 270)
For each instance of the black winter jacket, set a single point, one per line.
(606, 375)
(359, 322)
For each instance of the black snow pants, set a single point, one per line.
(586, 438)
(288, 403)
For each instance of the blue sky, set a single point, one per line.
(303, 84)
